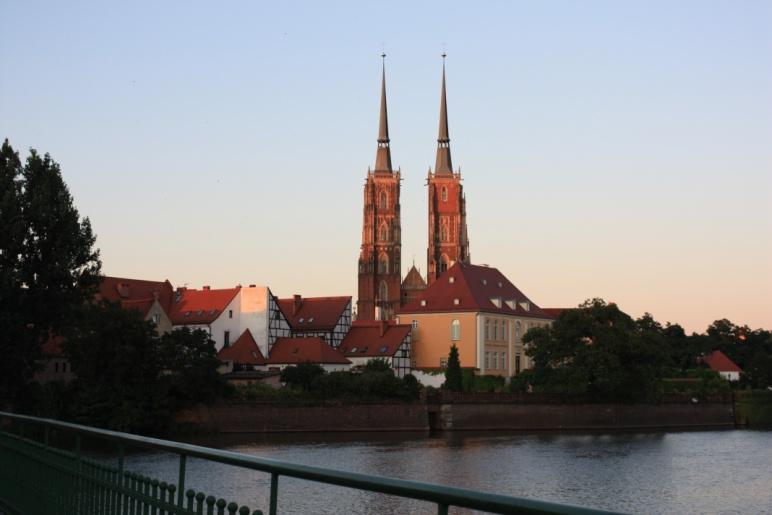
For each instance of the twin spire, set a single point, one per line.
(383, 157)
(443, 165)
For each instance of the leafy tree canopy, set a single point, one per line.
(48, 264)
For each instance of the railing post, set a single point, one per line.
(442, 509)
(181, 482)
(274, 493)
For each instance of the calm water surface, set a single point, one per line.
(691, 472)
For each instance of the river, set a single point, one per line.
(679, 472)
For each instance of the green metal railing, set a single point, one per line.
(36, 477)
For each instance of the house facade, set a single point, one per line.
(226, 313)
(292, 351)
(480, 311)
(384, 340)
(324, 317)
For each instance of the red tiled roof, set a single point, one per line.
(52, 348)
(474, 286)
(555, 312)
(136, 294)
(365, 339)
(719, 362)
(192, 307)
(301, 350)
(413, 280)
(243, 351)
(313, 313)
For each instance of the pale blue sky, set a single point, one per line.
(614, 149)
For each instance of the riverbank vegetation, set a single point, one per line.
(307, 381)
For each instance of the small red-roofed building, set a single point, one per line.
(226, 313)
(153, 299)
(480, 311)
(412, 286)
(244, 354)
(287, 352)
(720, 362)
(55, 366)
(384, 340)
(323, 317)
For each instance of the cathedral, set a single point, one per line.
(381, 288)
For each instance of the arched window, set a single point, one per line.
(444, 233)
(444, 194)
(383, 264)
(384, 200)
(444, 263)
(455, 330)
(383, 291)
(517, 329)
(383, 232)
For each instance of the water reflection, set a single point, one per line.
(699, 472)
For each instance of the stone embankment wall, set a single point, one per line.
(272, 417)
(573, 417)
(460, 412)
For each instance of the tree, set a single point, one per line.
(301, 376)
(453, 376)
(115, 356)
(48, 264)
(189, 362)
(596, 350)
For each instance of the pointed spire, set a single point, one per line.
(443, 165)
(383, 156)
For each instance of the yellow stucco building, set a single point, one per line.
(482, 312)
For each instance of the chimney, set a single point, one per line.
(383, 325)
(207, 287)
(297, 301)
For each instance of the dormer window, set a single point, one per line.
(423, 302)
(301, 320)
(456, 302)
(496, 301)
(500, 285)
(451, 279)
(526, 305)
(510, 303)
(484, 282)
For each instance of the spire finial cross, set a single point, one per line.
(444, 55)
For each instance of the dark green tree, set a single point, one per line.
(189, 362)
(301, 376)
(119, 385)
(48, 264)
(596, 350)
(377, 365)
(453, 378)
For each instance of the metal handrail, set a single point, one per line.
(443, 496)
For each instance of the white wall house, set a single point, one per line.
(226, 313)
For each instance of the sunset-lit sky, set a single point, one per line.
(609, 149)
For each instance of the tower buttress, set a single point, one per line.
(380, 254)
(448, 238)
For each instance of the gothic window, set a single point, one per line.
(383, 264)
(444, 194)
(383, 232)
(383, 291)
(455, 330)
(444, 233)
(384, 200)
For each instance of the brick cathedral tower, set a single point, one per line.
(448, 240)
(379, 258)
